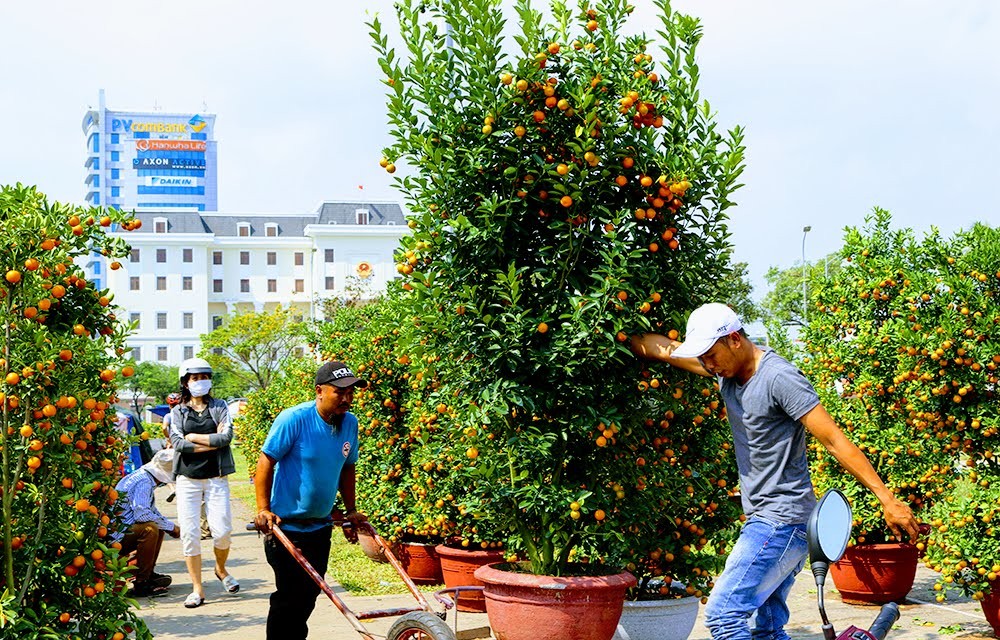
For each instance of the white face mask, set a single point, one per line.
(199, 388)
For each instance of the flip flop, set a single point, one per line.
(229, 582)
(193, 600)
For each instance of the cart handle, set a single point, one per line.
(443, 596)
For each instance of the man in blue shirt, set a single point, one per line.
(308, 455)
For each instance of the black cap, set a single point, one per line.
(339, 375)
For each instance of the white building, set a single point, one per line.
(190, 269)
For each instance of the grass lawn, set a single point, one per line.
(349, 566)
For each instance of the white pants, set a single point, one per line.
(214, 493)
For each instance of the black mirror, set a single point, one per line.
(828, 531)
(829, 528)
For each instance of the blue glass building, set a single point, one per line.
(150, 160)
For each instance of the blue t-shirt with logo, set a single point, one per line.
(310, 455)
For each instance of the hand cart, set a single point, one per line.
(419, 622)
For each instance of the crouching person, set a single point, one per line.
(145, 525)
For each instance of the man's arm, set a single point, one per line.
(653, 346)
(263, 480)
(348, 483)
(898, 516)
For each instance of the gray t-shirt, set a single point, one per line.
(770, 441)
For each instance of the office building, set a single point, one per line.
(189, 269)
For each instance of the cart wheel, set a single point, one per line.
(420, 625)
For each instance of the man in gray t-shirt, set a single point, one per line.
(770, 405)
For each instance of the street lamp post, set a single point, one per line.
(805, 230)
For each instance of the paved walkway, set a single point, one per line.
(242, 616)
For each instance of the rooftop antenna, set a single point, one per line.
(156, 105)
(204, 105)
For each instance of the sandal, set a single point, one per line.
(193, 600)
(229, 582)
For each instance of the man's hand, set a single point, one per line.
(265, 519)
(175, 532)
(355, 518)
(900, 518)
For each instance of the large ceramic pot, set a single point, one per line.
(458, 566)
(875, 573)
(991, 607)
(371, 549)
(420, 561)
(671, 619)
(524, 606)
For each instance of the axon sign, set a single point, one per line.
(171, 181)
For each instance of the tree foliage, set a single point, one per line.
(903, 347)
(563, 198)
(154, 380)
(61, 450)
(250, 349)
(783, 303)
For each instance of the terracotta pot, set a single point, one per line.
(459, 567)
(671, 619)
(875, 573)
(420, 561)
(991, 607)
(367, 543)
(523, 606)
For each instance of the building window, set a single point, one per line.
(243, 229)
(299, 258)
(137, 353)
(299, 352)
(161, 320)
(328, 255)
(244, 285)
(134, 256)
(272, 258)
(161, 354)
(216, 257)
(297, 317)
(133, 283)
(271, 230)
(300, 285)
(272, 286)
(329, 283)
(161, 255)
(135, 319)
(216, 322)
(116, 174)
(362, 216)
(188, 352)
(244, 257)
(187, 283)
(217, 285)
(161, 283)
(188, 320)
(188, 255)
(159, 225)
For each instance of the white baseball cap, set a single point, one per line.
(705, 326)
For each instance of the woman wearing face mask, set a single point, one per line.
(201, 431)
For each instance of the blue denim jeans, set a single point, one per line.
(759, 574)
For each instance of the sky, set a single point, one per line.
(846, 105)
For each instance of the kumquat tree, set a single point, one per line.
(565, 195)
(903, 342)
(61, 575)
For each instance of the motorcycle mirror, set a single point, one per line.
(829, 528)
